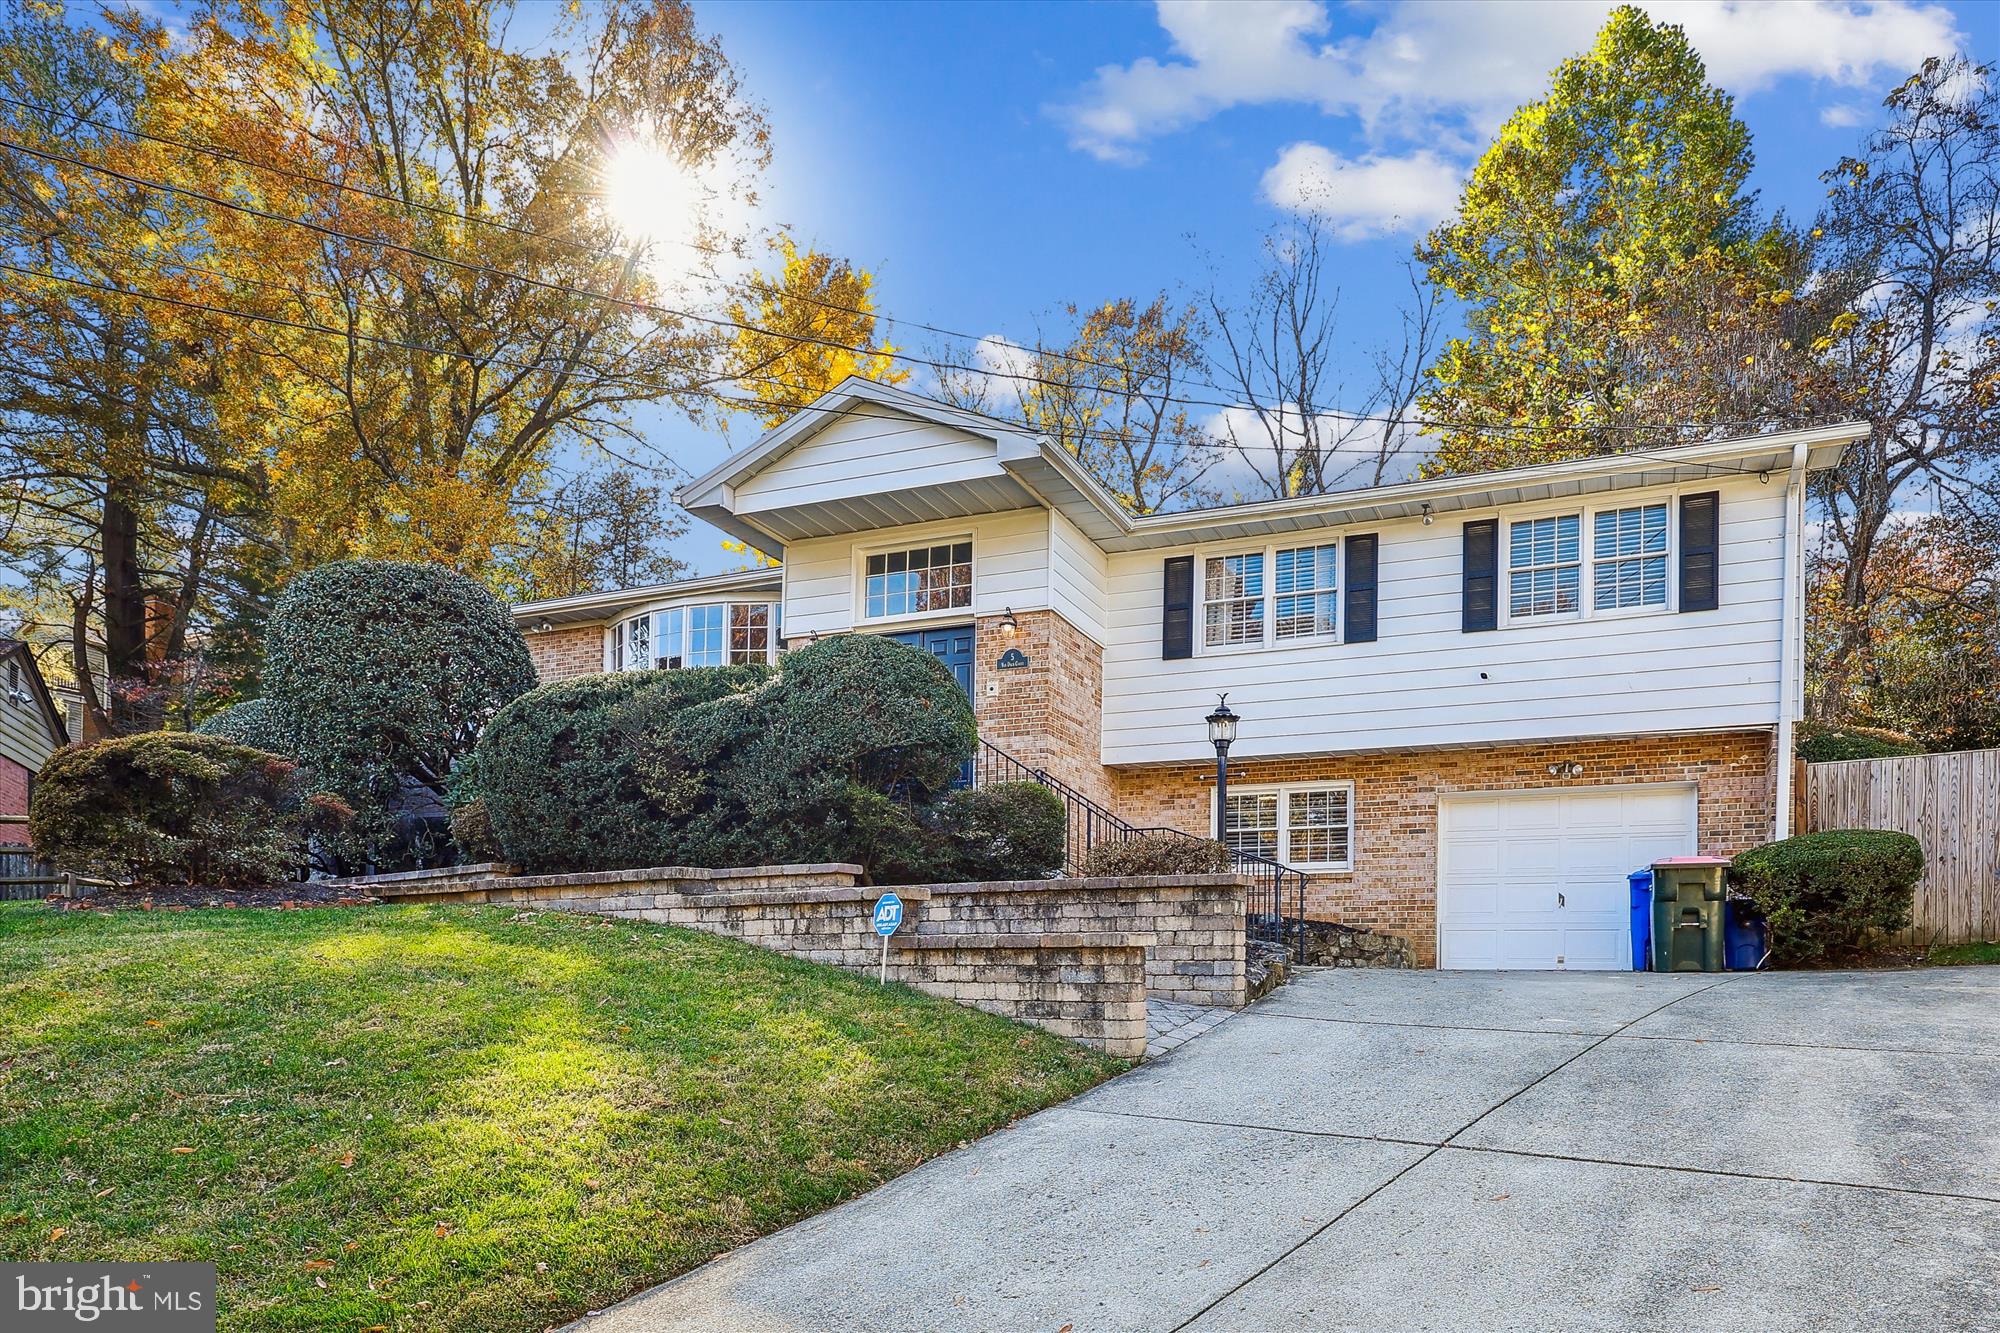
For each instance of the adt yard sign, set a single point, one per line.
(888, 916)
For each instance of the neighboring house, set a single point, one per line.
(31, 728)
(1469, 705)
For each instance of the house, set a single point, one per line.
(1470, 705)
(32, 726)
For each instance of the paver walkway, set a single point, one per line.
(1397, 1150)
(1171, 1024)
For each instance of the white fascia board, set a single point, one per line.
(587, 606)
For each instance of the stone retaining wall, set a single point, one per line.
(1076, 956)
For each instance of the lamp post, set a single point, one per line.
(1221, 732)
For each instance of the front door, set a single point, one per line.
(951, 646)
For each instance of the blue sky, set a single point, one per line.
(990, 162)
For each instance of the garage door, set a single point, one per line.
(1539, 881)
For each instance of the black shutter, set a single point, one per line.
(1700, 551)
(1177, 612)
(1360, 609)
(1481, 604)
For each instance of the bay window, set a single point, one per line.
(706, 635)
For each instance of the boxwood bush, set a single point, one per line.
(384, 674)
(1010, 830)
(1826, 894)
(257, 723)
(1157, 854)
(162, 809)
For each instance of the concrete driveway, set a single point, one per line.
(1395, 1150)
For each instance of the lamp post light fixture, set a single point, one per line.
(1221, 734)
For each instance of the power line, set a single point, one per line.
(633, 303)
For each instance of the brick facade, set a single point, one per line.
(573, 650)
(13, 803)
(1045, 714)
(1393, 886)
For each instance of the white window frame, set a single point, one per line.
(1269, 597)
(616, 649)
(1284, 792)
(1586, 516)
(948, 614)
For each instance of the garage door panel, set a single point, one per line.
(1540, 881)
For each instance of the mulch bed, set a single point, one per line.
(280, 897)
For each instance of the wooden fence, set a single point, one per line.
(1948, 802)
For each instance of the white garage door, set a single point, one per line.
(1539, 881)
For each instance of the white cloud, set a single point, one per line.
(1840, 116)
(1362, 198)
(1431, 68)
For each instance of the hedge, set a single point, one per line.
(1826, 894)
(386, 672)
(257, 723)
(1010, 830)
(1158, 854)
(163, 809)
(1822, 742)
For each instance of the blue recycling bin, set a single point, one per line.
(1642, 919)
(1746, 937)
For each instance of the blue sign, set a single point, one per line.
(888, 914)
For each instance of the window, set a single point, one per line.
(705, 643)
(918, 580)
(1306, 605)
(1545, 566)
(1232, 594)
(1629, 557)
(639, 642)
(749, 633)
(673, 639)
(1303, 596)
(1309, 826)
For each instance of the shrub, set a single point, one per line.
(257, 723)
(1821, 743)
(1011, 830)
(386, 672)
(170, 809)
(1157, 854)
(554, 773)
(1825, 893)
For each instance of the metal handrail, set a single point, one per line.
(1088, 824)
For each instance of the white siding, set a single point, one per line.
(865, 452)
(1078, 574)
(1427, 683)
(1010, 567)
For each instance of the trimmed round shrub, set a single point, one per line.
(387, 672)
(1825, 894)
(1822, 743)
(165, 808)
(257, 723)
(1010, 830)
(554, 777)
(1157, 854)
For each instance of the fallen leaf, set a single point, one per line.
(347, 1162)
(180, 1152)
(106, 1190)
(351, 1246)
(541, 1267)
(314, 1265)
(444, 1229)
(154, 1023)
(319, 1282)
(57, 1234)
(1498, 1197)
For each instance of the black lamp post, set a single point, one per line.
(1221, 732)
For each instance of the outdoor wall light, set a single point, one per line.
(1221, 734)
(1568, 768)
(1008, 625)
(1429, 517)
(544, 627)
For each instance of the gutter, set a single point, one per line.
(1791, 647)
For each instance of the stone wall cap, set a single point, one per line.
(482, 870)
(1226, 879)
(1084, 939)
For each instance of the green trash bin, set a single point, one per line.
(1689, 914)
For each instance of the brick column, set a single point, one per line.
(573, 650)
(1049, 713)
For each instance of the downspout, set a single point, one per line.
(1791, 648)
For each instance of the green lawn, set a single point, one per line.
(1953, 955)
(459, 1118)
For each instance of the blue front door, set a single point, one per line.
(951, 646)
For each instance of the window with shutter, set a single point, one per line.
(1361, 570)
(1700, 552)
(1177, 609)
(1480, 609)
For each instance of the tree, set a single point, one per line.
(482, 295)
(1110, 391)
(133, 500)
(595, 533)
(807, 327)
(1570, 234)
(1912, 228)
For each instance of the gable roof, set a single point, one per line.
(53, 717)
